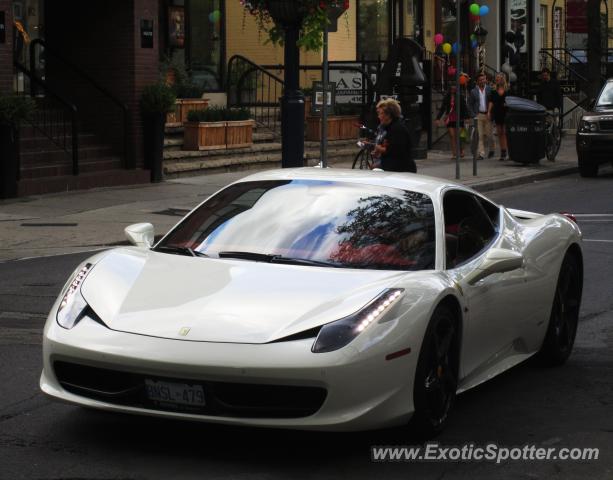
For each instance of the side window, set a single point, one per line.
(492, 211)
(468, 229)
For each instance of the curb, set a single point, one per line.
(489, 185)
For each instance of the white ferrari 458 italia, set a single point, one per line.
(317, 299)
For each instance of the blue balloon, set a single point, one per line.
(454, 48)
(484, 10)
(475, 44)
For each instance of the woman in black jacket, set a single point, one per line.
(394, 145)
(449, 111)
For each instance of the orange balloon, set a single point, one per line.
(463, 80)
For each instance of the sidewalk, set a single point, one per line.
(87, 220)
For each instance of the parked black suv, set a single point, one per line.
(595, 133)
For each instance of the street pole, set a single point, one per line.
(324, 111)
(458, 109)
(292, 104)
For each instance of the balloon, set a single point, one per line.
(474, 44)
(214, 16)
(447, 48)
(455, 47)
(473, 36)
(463, 80)
(451, 71)
(474, 9)
(484, 10)
(438, 39)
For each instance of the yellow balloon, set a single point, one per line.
(447, 48)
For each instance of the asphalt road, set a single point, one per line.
(570, 406)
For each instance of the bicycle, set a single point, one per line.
(364, 159)
(553, 138)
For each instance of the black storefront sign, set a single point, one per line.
(146, 33)
(2, 28)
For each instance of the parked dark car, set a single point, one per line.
(595, 133)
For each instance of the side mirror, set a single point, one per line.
(140, 234)
(497, 260)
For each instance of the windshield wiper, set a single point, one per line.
(302, 261)
(269, 258)
(257, 257)
(179, 251)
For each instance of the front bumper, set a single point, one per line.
(596, 146)
(363, 389)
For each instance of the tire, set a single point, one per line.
(587, 169)
(562, 329)
(436, 375)
(361, 160)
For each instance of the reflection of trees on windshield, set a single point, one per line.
(395, 231)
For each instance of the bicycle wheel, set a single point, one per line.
(363, 160)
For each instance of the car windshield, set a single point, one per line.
(313, 223)
(606, 96)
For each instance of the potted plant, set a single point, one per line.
(239, 128)
(14, 109)
(189, 97)
(343, 125)
(156, 101)
(310, 15)
(218, 128)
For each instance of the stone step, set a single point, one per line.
(176, 144)
(187, 166)
(41, 142)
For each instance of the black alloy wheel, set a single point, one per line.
(562, 329)
(436, 375)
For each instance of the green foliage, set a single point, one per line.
(218, 114)
(188, 90)
(15, 109)
(157, 98)
(313, 23)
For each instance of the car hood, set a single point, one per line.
(598, 112)
(223, 300)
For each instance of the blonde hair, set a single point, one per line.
(390, 107)
(504, 82)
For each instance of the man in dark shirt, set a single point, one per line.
(549, 93)
(395, 152)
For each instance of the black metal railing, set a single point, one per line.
(251, 86)
(257, 88)
(55, 117)
(113, 126)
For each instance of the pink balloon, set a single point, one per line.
(451, 71)
(438, 39)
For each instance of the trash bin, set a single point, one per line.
(525, 126)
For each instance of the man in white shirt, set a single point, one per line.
(479, 98)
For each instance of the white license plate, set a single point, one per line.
(178, 393)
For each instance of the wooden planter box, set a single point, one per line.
(217, 135)
(182, 107)
(341, 127)
(239, 133)
(204, 136)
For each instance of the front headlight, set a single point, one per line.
(335, 335)
(73, 305)
(588, 126)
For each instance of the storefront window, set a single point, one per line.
(373, 29)
(448, 19)
(205, 42)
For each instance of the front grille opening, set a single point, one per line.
(222, 398)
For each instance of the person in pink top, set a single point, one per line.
(449, 111)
